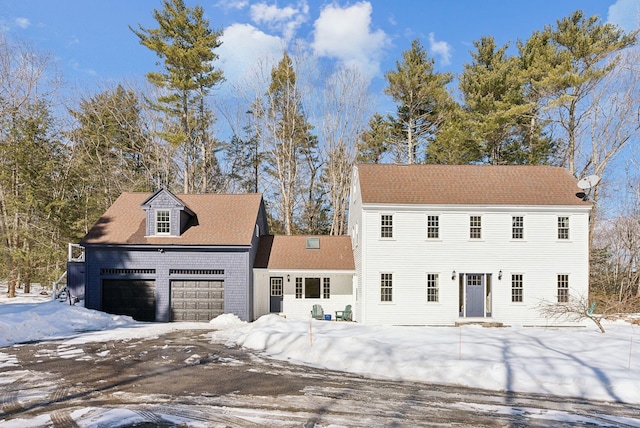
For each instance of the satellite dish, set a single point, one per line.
(588, 182)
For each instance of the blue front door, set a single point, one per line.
(475, 295)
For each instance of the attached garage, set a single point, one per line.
(196, 300)
(136, 298)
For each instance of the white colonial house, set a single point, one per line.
(442, 244)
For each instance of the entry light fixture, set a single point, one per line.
(288, 278)
(453, 275)
(500, 275)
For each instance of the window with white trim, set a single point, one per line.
(475, 227)
(298, 288)
(517, 288)
(432, 287)
(517, 227)
(163, 222)
(563, 227)
(563, 288)
(326, 288)
(386, 226)
(433, 226)
(386, 287)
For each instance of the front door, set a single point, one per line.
(275, 302)
(475, 295)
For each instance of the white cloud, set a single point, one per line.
(440, 48)
(345, 33)
(23, 23)
(625, 13)
(286, 20)
(245, 47)
(232, 4)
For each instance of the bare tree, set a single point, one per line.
(345, 105)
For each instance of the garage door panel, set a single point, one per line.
(196, 300)
(135, 298)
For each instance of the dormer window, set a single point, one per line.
(163, 222)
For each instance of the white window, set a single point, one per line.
(517, 288)
(386, 287)
(517, 227)
(475, 227)
(298, 288)
(563, 288)
(563, 227)
(386, 226)
(432, 287)
(433, 226)
(326, 288)
(163, 222)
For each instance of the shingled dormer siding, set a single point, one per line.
(165, 201)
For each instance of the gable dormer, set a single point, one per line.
(166, 215)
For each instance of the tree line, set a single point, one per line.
(567, 96)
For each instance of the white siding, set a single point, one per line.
(357, 230)
(341, 292)
(409, 255)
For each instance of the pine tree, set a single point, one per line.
(422, 98)
(186, 45)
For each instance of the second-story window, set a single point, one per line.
(386, 226)
(163, 222)
(563, 227)
(517, 227)
(433, 227)
(475, 227)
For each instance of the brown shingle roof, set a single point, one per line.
(221, 220)
(290, 252)
(468, 185)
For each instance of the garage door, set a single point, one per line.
(136, 298)
(196, 300)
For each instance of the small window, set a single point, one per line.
(313, 243)
(163, 222)
(517, 227)
(432, 287)
(563, 288)
(563, 227)
(298, 288)
(517, 288)
(433, 227)
(386, 287)
(386, 226)
(276, 287)
(326, 288)
(475, 227)
(312, 288)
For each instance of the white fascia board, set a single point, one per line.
(476, 208)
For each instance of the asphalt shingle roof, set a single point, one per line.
(468, 185)
(291, 252)
(221, 220)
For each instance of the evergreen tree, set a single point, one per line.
(374, 142)
(111, 154)
(422, 99)
(186, 45)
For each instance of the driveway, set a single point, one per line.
(183, 379)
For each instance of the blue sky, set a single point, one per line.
(92, 42)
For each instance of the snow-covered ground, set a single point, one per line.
(579, 362)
